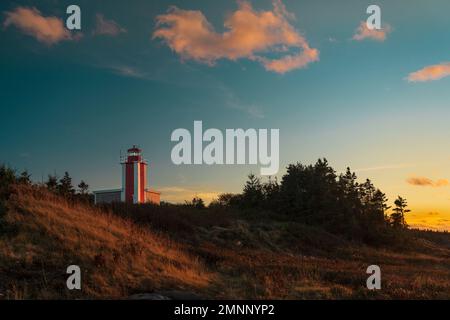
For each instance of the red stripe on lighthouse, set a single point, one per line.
(137, 181)
(129, 182)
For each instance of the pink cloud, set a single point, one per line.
(363, 32)
(430, 73)
(107, 27)
(249, 34)
(49, 30)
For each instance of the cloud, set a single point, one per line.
(430, 73)
(49, 30)
(426, 182)
(233, 102)
(107, 27)
(179, 195)
(332, 40)
(362, 32)
(386, 167)
(429, 220)
(127, 71)
(249, 34)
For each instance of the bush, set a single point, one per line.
(180, 220)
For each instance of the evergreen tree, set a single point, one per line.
(398, 213)
(65, 187)
(271, 193)
(380, 205)
(24, 177)
(253, 192)
(315, 195)
(293, 191)
(374, 204)
(52, 183)
(322, 194)
(83, 188)
(349, 186)
(350, 204)
(7, 178)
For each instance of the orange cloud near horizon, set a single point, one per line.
(432, 220)
(430, 73)
(249, 34)
(49, 30)
(426, 182)
(180, 194)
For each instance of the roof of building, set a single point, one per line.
(152, 191)
(108, 191)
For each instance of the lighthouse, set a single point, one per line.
(134, 182)
(134, 176)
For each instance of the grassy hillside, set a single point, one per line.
(45, 234)
(212, 252)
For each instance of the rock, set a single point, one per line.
(181, 295)
(148, 296)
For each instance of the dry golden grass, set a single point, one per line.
(237, 259)
(261, 274)
(281, 270)
(117, 258)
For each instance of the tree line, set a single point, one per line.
(62, 186)
(317, 195)
(311, 194)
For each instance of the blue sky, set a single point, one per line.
(74, 104)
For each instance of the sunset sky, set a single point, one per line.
(377, 101)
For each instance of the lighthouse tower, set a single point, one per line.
(134, 182)
(134, 176)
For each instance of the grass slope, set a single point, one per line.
(212, 253)
(117, 258)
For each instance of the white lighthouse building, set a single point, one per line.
(134, 182)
